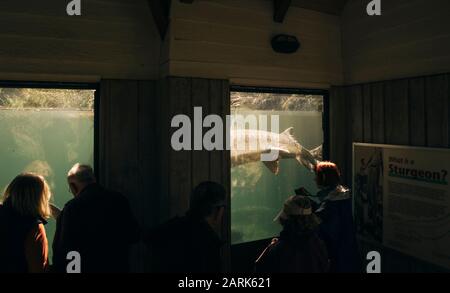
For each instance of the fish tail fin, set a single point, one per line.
(317, 153)
(307, 159)
(304, 156)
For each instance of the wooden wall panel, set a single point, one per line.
(185, 169)
(407, 112)
(163, 160)
(437, 107)
(410, 39)
(367, 113)
(122, 126)
(180, 162)
(396, 112)
(111, 40)
(338, 130)
(355, 105)
(417, 125)
(229, 39)
(217, 102)
(126, 150)
(223, 90)
(378, 127)
(200, 158)
(148, 199)
(136, 157)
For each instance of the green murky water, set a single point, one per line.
(257, 195)
(47, 142)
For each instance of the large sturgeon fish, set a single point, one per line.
(248, 145)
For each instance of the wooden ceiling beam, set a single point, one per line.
(280, 8)
(160, 11)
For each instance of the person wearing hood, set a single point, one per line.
(335, 213)
(299, 248)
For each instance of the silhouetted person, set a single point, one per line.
(335, 212)
(298, 249)
(96, 223)
(190, 244)
(23, 241)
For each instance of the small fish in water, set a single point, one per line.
(248, 145)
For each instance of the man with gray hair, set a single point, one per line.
(79, 177)
(96, 223)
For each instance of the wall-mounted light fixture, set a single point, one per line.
(285, 44)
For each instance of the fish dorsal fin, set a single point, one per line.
(289, 131)
(273, 166)
(290, 134)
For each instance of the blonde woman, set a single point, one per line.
(23, 214)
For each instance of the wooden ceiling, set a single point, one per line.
(281, 7)
(161, 9)
(334, 7)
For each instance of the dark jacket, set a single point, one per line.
(185, 245)
(100, 226)
(337, 229)
(294, 253)
(14, 230)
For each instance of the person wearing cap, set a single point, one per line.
(298, 249)
(191, 243)
(335, 213)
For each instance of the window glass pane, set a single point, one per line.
(45, 131)
(257, 194)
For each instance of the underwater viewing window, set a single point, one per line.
(46, 131)
(258, 190)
